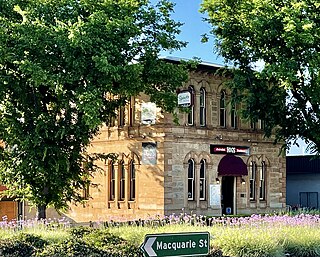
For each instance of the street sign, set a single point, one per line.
(176, 244)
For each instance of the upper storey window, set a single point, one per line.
(234, 116)
(222, 107)
(202, 107)
(191, 111)
(121, 116)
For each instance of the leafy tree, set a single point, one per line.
(66, 66)
(284, 37)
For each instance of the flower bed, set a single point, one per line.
(254, 236)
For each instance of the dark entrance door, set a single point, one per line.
(227, 192)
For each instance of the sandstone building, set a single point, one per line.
(211, 163)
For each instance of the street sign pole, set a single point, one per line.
(176, 244)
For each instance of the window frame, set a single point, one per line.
(202, 180)
(252, 180)
(132, 181)
(202, 109)
(222, 109)
(86, 190)
(190, 118)
(121, 116)
(122, 181)
(234, 118)
(112, 181)
(191, 180)
(307, 196)
(131, 111)
(262, 181)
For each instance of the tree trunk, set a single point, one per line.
(41, 212)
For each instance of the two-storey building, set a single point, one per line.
(211, 163)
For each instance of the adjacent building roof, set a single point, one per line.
(303, 164)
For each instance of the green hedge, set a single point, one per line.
(83, 241)
(90, 242)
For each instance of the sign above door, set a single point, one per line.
(229, 149)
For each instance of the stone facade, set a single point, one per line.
(164, 167)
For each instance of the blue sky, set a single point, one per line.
(187, 12)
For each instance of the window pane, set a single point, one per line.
(191, 113)
(313, 200)
(132, 181)
(112, 182)
(202, 97)
(202, 116)
(121, 118)
(191, 180)
(233, 117)
(190, 189)
(122, 181)
(222, 109)
(131, 112)
(202, 107)
(202, 169)
(262, 180)
(202, 181)
(303, 199)
(202, 188)
(190, 116)
(252, 175)
(191, 169)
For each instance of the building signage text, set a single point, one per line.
(229, 149)
(176, 244)
(184, 98)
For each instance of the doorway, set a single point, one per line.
(227, 195)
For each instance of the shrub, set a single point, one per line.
(71, 248)
(302, 243)
(21, 245)
(91, 242)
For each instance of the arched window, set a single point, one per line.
(191, 180)
(131, 112)
(234, 116)
(262, 179)
(202, 107)
(112, 181)
(202, 180)
(252, 177)
(86, 192)
(122, 181)
(191, 111)
(121, 116)
(132, 181)
(222, 108)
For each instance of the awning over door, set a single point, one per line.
(231, 165)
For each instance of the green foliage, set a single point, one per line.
(248, 243)
(255, 236)
(21, 245)
(274, 46)
(301, 243)
(91, 242)
(65, 68)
